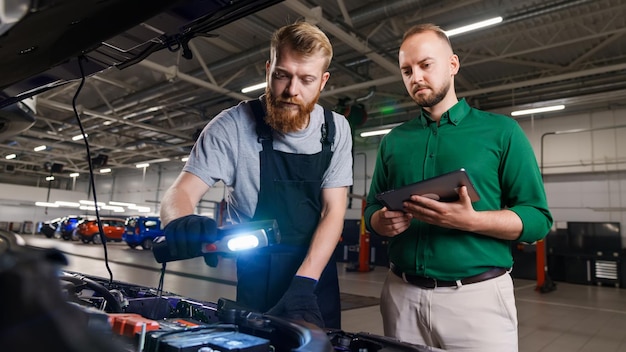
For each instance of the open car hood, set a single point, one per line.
(40, 41)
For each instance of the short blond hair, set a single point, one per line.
(426, 27)
(303, 38)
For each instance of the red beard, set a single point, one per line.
(286, 120)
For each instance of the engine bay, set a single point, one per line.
(48, 308)
(162, 321)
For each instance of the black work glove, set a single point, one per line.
(186, 235)
(299, 302)
(211, 259)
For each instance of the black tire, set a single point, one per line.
(97, 239)
(131, 245)
(85, 240)
(146, 244)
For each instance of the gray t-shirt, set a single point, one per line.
(228, 150)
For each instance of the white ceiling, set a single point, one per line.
(573, 52)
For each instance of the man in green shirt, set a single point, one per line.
(449, 284)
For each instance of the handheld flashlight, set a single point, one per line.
(230, 239)
(241, 237)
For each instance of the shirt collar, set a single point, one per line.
(454, 115)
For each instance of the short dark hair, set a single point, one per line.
(304, 38)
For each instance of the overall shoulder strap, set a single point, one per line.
(263, 130)
(328, 129)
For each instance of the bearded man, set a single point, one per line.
(281, 157)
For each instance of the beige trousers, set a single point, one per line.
(479, 317)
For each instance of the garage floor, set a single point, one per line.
(571, 318)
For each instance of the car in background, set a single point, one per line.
(68, 225)
(141, 230)
(49, 228)
(113, 228)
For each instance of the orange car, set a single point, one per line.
(113, 229)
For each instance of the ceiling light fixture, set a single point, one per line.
(90, 202)
(74, 174)
(143, 209)
(10, 156)
(382, 130)
(62, 203)
(143, 165)
(473, 26)
(79, 137)
(375, 133)
(145, 111)
(122, 204)
(537, 110)
(50, 178)
(46, 204)
(116, 209)
(40, 148)
(254, 87)
(105, 171)
(154, 161)
(184, 159)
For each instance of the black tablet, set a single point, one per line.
(442, 188)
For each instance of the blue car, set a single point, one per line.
(68, 227)
(141, 230)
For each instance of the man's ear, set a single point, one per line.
(455, 65)
(325, 77)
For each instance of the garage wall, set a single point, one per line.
(17, 203)
(584, 162)
(580, 143)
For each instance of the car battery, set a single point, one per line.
(225, 339)
(130, 324)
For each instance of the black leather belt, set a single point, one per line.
(430, 283)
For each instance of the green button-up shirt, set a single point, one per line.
(501, 164)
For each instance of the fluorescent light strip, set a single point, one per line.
(67, 204)
(122, 204)
(90, 202)
(46, 204)
(384, 129)
(75, 174)
(10, 156)
(474, 26)
(144, 165)
(254, 87)
(375, 133)
(79, 137)
(39, 148)
(538, 110)
(154, 161)
(114, 208)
